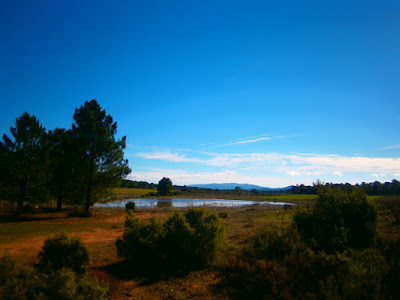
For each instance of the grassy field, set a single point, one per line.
(291, 197)
(132, 192)
(24, 237)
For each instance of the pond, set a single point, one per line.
(182, 202)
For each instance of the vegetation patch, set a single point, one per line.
(60, 252)
(185, 240)
(327, 252)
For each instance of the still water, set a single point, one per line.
(181, 202)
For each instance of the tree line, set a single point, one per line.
(372, 188)
(78, 165)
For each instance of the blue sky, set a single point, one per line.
(265, 92)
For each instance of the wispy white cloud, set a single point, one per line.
(391, 147)
(168, 156)
(248, 141)
(303, 164)
(293, 173)
(337, 173)
(380, 175)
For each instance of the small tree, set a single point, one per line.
(164, 186)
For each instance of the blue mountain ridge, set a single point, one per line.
(232, 186)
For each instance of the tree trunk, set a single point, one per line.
(89, 187)
(21, 199)
(88, 195)
(59, 203)
(20, 205)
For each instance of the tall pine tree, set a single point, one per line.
(99, 162)
(24, 163)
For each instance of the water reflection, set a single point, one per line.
(164, 203)
(182, 202)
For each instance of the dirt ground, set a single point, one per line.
(24, 238)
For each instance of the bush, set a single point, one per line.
(391, 252)
(339, 220)
(192, 239)
(7, 268)
(223, 215)
(60, 252)
(60, 284)
(276, 264)
(130, 206)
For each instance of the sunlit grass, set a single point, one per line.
(299, 197)
(132, 191)
(291, 197)
(373, 198)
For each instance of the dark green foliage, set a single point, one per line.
(24, 164)
(223, 215)
(137, 184)
(164, 186)
(339, 220)
(372, 188)
(62, 157)
(130, 206)
(192, 239)
(391, 252)
(7, 268)
(62, 284)
(276, 264)
(99, 160)
(60, 252)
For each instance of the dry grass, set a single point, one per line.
(24, 239)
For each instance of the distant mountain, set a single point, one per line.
(232, 186)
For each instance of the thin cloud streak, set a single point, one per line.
(248, 141)
(390, 147)
(167, 156)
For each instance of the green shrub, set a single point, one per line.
(276, 264)
(61, 284)
(223, 215)
(7, 268)
(391, 252)
(339, 220)
(130, 206)
(60, 252)
(192, 239)
(359, 275)
(140, 239)
(27, 284)
(273, 243)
